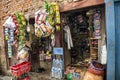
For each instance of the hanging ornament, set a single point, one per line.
(52, 40)
(28, 24)
(28, 28)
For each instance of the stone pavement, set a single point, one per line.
(39, 76)
(33, 76)
(5, 78)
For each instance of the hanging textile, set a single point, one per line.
(103, 53)
(68, 37)
(97, 24)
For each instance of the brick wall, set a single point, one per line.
(9, 6)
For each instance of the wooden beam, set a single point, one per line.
(80, 4)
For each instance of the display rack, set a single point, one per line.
(57, 70)
(93, 48)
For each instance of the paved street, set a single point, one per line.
(33, 75)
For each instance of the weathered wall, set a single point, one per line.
(9, 6)
(3, 66)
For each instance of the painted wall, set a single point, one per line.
(113, 39)
(117, 35)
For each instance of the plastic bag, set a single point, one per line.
(23, 55)
(9, 23)
(40, 16)
(69, 76)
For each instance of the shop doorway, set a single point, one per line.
(80, 35)
(40, 52)
(87, 38)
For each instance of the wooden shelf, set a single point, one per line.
(94, 43)
(83, 34)
(94, 48)
(93, 38)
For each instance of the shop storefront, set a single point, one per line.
(87, 38)
(34, 43)
(69, 42)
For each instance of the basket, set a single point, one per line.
(95, 69)
(20, 69)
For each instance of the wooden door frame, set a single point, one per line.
(110, 27)
(80, 4)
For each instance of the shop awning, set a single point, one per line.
(80, 4)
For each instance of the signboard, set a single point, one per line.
(58, 51)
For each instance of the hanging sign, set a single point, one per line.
(58, 51)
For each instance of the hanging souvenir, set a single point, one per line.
(38, 31)
(28, 24)
(42, 27)
(41, 55)
(40, 16)
(23, 55)
(97, 26)
(54, 15)
(9, 49)
(52, 40)
(15, 31)
(97, 33)
(9, 23)
(68, 37)
(57, 13)
(48, 56)
(9, 34)
(6, 33)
